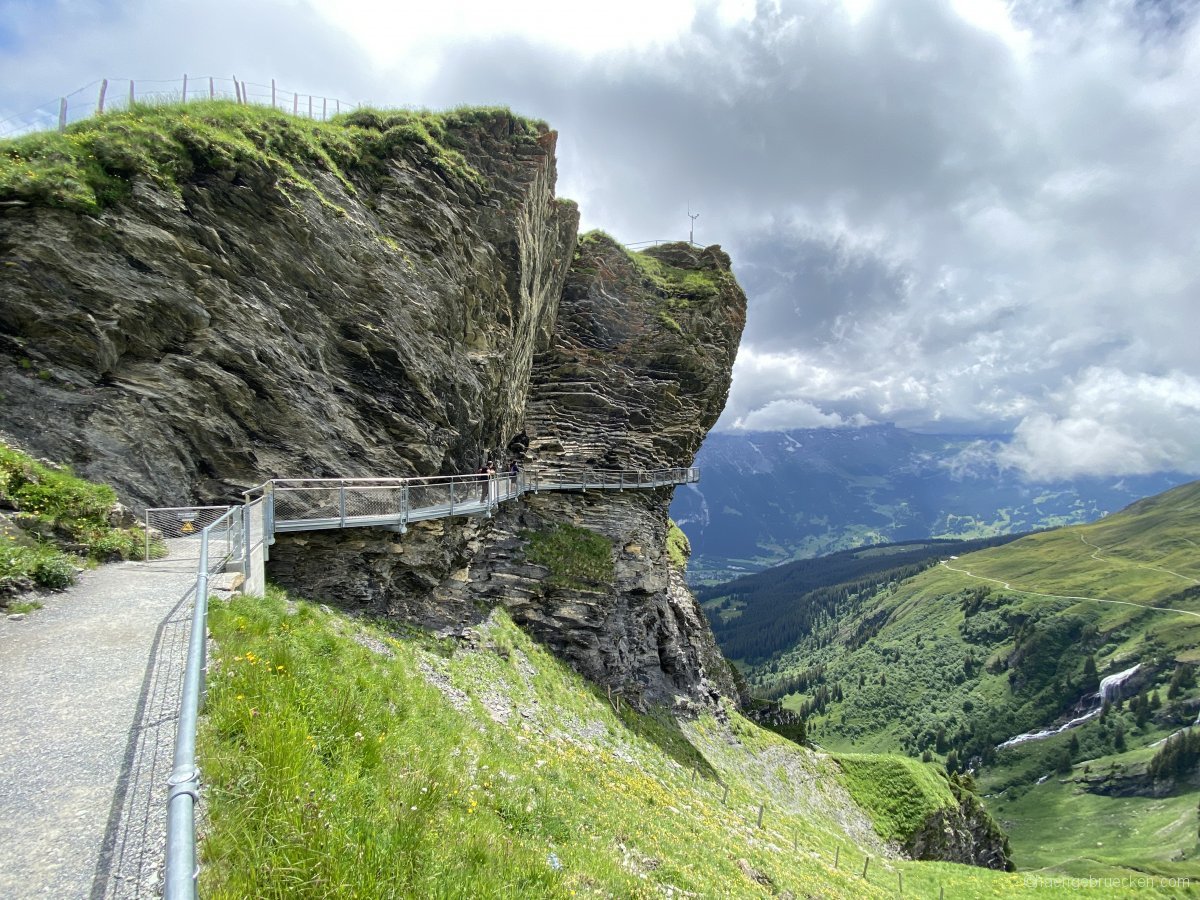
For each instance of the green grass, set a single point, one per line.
(91, 166)
(342, 762)
(1059, 827)
(57, 521)
(899, 793)
(678, 547)
(578, 558)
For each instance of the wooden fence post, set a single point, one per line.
(837, 855)
(131, 96)
(866, 865)
(272, 93)
(185, 87)
(761, 807)
(900, 878)
(103, 91)
(725, 796)
(295, 104)
(62, 115)
(212, 91)
(324, 104)
(237, 89)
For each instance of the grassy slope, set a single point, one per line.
(341, 761)
(1147, 557)
(52, 521)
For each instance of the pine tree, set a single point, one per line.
(1119, 737)
(1155, 703)
(951, 762)
(1091, 680)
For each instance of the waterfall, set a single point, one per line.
(1110, 689)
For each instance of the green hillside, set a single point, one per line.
(953, 662)
(344, 760)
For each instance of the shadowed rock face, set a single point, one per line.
(185, 345)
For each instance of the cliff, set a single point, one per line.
(197, 299)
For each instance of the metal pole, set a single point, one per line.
(246, 518)
(404, 505)
(451, 497)
(184, 784)
(342, 501)
(147, 556)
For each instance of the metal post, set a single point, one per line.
(246, 542)
(342, 501)
(404, 505)
(103, 91)
(451, 496)
(185, 88)
(272, 93)
(147, 556)
(184, 783)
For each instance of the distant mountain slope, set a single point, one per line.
(758, 615)
(1012, 641)
(770, 497)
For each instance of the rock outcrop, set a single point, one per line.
(369, 310)
(963, 834)
(392, 294)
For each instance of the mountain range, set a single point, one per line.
(769, 497)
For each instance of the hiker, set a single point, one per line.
(483, 480)
(512, 477)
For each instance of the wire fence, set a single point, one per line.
(112, 94)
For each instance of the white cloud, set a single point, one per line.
(1111, 423)
(951, 214)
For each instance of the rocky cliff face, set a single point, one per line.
(391, 295)
(345, 302)
(636, 372)
(963, 834)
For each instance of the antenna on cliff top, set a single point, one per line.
(692, 227)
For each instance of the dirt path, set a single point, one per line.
(88, 692)
(1008, 587)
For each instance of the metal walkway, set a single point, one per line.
(309, 504)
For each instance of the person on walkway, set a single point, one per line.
(513, 470)
(483, 481)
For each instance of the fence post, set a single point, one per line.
(342, 501)
(246, 542)
(131, 95)
(212, 91)
(900, 876)
(185, 87)
(237, 89)
(404, 506)
(338, 107)
(866, 865)
(837, 855)
(147, 556)
(761, 807)
(324, 105)
(103, 91)
(62, 115)
(310, 106)
(272, 93)
(452, 496)
(295, 104)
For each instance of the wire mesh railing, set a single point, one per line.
(108, 95)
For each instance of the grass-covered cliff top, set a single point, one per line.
(91, 165)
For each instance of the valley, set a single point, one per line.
(952, 663)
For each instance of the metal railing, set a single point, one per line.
(183, 786)
(300, 504)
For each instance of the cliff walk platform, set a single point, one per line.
(238, 538)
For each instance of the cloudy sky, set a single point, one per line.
(954, 215)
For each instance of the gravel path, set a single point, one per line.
(89, 687)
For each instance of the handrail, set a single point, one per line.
(183, 786)
(181, 879)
